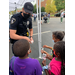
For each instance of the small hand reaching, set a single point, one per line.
(45, 46)
(44, 62)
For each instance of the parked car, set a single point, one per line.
(43, 13)
(59, 13)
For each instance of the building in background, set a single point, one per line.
(43, 3)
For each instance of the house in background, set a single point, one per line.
(43, 3)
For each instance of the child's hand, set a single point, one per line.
(47, 56)
(45, 46)
(42, 51)
(44, 62)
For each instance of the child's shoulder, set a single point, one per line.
(55, 61)
(34, 60)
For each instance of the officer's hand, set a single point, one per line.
(31, 39)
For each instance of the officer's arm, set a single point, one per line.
(13, 35)
(31, 32)
(30, 27)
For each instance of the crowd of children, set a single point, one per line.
(21, 64)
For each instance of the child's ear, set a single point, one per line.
(29, 51)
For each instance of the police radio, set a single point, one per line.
(27, 33)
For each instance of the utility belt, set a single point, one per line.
(23, 34)
(26, 34)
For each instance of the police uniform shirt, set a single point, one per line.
(20, 24)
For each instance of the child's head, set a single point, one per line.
(58, 35)
(59, 48)
(21, 47)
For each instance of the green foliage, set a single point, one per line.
(50, 6)
(34, 10)
(42, 9)
(60, 4)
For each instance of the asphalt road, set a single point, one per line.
(46, 30)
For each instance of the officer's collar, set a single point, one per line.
(21, 14)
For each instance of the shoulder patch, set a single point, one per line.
(13, 20)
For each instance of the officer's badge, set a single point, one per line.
(13, 20)
(27, 22)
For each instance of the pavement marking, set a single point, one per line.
(42, 32)
(35, 27)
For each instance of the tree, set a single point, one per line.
(60, 4)
(42, 9)
(50, 6)
(34, 9)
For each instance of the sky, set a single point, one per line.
(34, 2)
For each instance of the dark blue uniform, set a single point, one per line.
(20, 24)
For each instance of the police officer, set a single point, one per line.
(20, 23)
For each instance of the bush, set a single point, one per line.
(42, 9)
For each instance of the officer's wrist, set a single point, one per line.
(31, 36)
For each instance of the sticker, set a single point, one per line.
(27, 22)
(13, 20)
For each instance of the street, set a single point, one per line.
(46, 36)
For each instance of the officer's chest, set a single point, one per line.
(23, 24)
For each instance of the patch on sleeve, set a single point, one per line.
(13, 20)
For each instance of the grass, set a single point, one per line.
(51, 15)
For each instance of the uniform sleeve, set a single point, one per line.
(38, 68)
(30, 24)
(13, 23)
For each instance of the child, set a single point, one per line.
(24, 65)
(45, 19)
(48, 18)
(57, 64)
(61, 15)
(56, 36)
